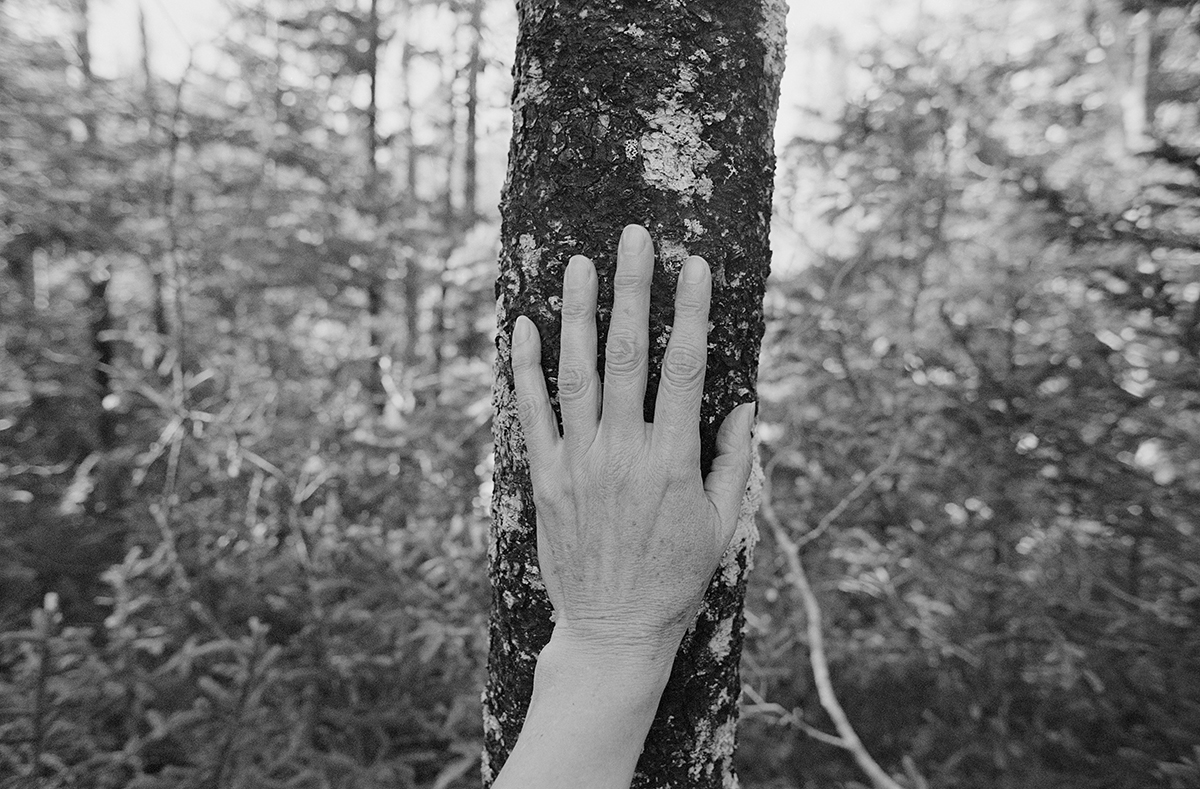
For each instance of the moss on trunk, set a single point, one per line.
(659, 113)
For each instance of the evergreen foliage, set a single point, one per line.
(245, 332)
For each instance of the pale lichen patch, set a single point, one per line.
(674, 156)
(485, 769)
(491, 724)
(693, 227)
(721, 643)
(687, 79)
(703, 748)
(534, 87)
(672, 252)
(725, 737)
(713, 746)
(773, 34)
(529, 254)
(507, 512)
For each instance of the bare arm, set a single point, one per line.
(629, 534)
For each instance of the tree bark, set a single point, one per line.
(470, 153)
(659, 113)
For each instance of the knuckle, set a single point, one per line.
(690, 305)
(576, 310)
(545, 497)
(683, 366)
(573, 382)
(683, 473)
(630, 281)
(529, 408)
(678, 469)
(623, 353)
(553, 495)
(679, 452)
(524, 361)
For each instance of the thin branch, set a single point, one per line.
(44, 622)
(847, 737)
(786, 717)
(859, 489)
(821, 736)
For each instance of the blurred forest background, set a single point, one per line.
(245, 342)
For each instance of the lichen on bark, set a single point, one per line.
(660, 113)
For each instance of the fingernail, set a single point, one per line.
(523, 330)
(577, 271)
(693, 270)
(634, 239)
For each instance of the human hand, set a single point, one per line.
(629, 534)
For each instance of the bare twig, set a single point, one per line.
(44, 622)
(786, 717)
(859, 489)
(847, 737)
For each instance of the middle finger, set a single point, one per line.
(627, 345)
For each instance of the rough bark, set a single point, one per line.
(658, 113)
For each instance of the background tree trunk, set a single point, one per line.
(659, 114)
(97, 272)
(377, 264)
(470, 152)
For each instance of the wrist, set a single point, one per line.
(625, 672)
(623, 652)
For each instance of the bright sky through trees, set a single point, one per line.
(183, 30)
(177, 28)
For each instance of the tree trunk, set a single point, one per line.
(412, 272)
(661, 114)
(453, 234)
(99, 326)
(376, 278)
(98, 274)
(1134, 102)
(154, 261)
(470, 153)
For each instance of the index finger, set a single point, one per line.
(681, 388)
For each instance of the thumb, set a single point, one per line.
(726, 481)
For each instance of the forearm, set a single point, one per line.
(587, 720)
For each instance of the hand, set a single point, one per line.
(629, 534)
